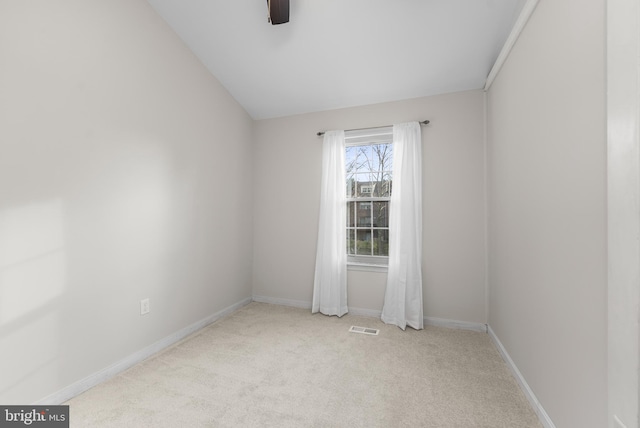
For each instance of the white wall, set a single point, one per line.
(623, 189)
(287, 169)
(547, 210)
(123, 175)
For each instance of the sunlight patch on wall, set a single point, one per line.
(32, 258)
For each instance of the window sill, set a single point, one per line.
(366, 267)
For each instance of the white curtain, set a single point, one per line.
(330, 282)
(403, 296)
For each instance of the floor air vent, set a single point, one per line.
(364, 330)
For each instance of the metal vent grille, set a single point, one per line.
(364, 330)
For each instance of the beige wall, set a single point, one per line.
(287, 169)
(623, 194)
(547, 210)
(123, 175)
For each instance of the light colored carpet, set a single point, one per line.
(275, 366)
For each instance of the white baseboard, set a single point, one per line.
(90, 381)
(282, 302)
(460, 325)
(307, 305)
(440, 322)
(360, 312)
(533, 400)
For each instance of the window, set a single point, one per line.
(369, 161)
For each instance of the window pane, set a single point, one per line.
(381, 214)
(351, 166)
(381, 185)
(385, 185)
(363, 214)
(364, 242)
(365, 185)
(351, 159)
(351, 206)
(381, 157)
(368, 176)
(364, 156)
(351, 241)
(380, 242)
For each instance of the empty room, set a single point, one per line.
(298, 213)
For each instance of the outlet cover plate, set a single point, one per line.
(144, 306)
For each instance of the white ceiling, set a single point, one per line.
(342, 53)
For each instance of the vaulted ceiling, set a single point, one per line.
(342, 53)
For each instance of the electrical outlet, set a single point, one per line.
(144, 306)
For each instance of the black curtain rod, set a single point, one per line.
(321, 133)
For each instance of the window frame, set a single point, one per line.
(360, 138)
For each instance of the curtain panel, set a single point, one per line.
(403, 295)
(330, 280)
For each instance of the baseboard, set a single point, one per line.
(283, 302)
(460, 325)
(533, 400)
(307, 305)
(361, 312)
(90, 381)
(440, 322)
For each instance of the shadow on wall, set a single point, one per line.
(32, 278)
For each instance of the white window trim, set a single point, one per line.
(363, 267)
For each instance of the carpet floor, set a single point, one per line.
(275, 366)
